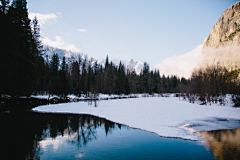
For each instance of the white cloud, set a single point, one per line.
(49, 18)
(181, 65)
(60, 43)
(226, 55)
(57, 142)
(82, 30)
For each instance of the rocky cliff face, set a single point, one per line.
(227, 29)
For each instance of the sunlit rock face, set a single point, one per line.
(224, 144)
(223, 44)
(226, 31)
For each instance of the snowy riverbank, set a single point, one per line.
(74, 98)
(165, 116)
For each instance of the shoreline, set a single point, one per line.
(141, 118)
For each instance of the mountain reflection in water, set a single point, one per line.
(224, 144)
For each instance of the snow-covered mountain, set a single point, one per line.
(69, 55)
(137, 66)
(102, 62)
(131, 65)
(73, 56)
(49, 51)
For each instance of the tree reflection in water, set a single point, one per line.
(22, 131)
(224, 144)
(29, 135)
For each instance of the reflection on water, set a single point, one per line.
(225, 144)
(27, 135)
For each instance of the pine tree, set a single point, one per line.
(88, 79)
(146, 77)
(132, 80)
(100, 81)
(46, 79)
(150, 83)
(96, 78)
(63, 82)
(36, 37)
(6, 60)
(83, 77)
(38, 52)
(106, 63)
(164, 84)
(23, 78)
(174, 83)
(75, 79)
(156, 81)
(121, 79)
(54, 65)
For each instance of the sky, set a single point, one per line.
(151, 31)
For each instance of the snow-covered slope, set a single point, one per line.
(69, 55)
(102, 62)
(137, 66)
(131, 65)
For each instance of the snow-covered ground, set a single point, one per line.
(165, 116)
(99, 96)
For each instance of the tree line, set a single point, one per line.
(211, 83)
(85, 76)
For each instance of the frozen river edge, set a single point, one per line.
(165, 116)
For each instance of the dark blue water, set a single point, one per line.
(27, 135)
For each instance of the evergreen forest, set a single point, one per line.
(24, 71)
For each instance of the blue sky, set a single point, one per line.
(146, 30)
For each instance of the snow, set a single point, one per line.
(40, 96)
(44, 96)
(99, 96)
(102, 96)
(138, 66)
(165, 116)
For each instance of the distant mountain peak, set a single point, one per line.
(69, 55)
(137, 65)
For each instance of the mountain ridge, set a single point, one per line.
(226, 31)
(74, 56)
(223, 43)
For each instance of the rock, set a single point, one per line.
(226, 31)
